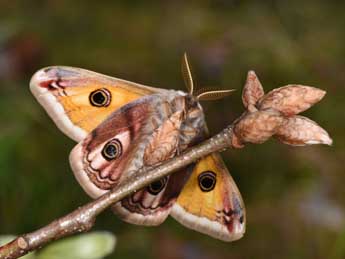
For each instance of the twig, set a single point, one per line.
(83, 218)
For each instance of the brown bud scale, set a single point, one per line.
(291, 99)
(300, 131)
(252, 91)
(257, 127)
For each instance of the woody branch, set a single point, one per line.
(273, 114)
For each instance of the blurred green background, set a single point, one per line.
(295, 197)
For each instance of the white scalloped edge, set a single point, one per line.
(76, 162)
(206, 226)
(54, 109)
(139, 219)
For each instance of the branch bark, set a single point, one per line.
(83, 218)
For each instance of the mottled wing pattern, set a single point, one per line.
(151, 205)
(210, 202)
(116, 147)
(142, 133)
(78, 100)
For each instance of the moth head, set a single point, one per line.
(203, 94)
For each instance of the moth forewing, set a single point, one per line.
(78, 100)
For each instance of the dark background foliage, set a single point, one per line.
(294, 196)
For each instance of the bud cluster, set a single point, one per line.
(275, 114)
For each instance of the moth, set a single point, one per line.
(123, 126)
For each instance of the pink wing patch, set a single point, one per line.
(100, 159)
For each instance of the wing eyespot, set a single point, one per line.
(241, 219)
(100, 98)
(112, 149)
(207, 181)
(157, 186)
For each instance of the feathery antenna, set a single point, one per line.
(187, 74)
(211, 95)
(204, 94)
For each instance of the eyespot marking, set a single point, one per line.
(241, 219)
(100, 98)
(112, 149)
(157, 186)
(207, 181)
